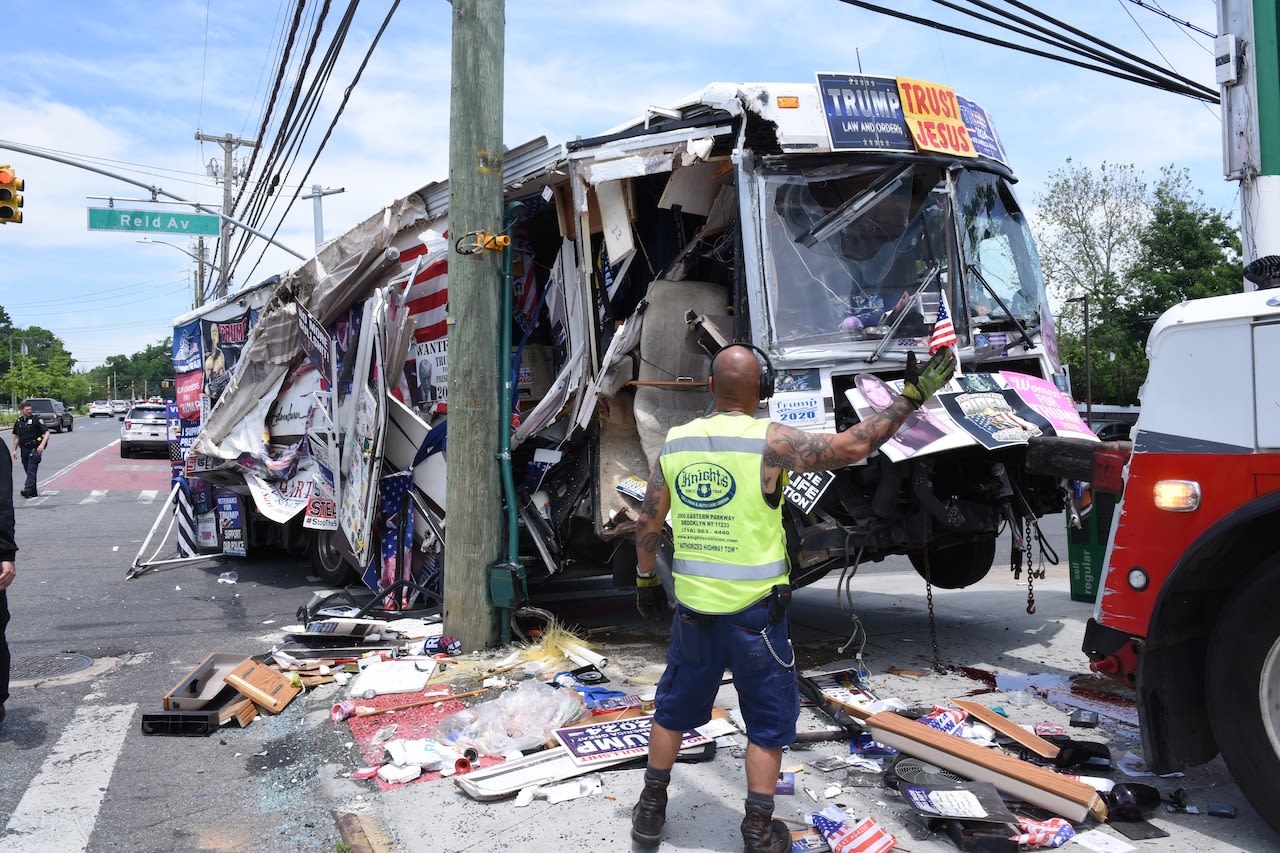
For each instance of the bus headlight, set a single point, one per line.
(1177, 495)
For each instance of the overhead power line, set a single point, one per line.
(346, 96)
(1118, 63)
(1155, 9)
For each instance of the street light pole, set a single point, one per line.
(317, 193)
(199, 259)
(1088, 363)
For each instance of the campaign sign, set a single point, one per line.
(863, 113)
(803, 491)
(608, 742)
(982, 133)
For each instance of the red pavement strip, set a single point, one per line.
(105, 469)
(411, 724)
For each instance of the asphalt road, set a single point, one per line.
(80, 775)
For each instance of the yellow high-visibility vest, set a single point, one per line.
(730, 549)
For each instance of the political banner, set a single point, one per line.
(607, 742)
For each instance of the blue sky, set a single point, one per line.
(125, 85)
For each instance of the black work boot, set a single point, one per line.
(649, 814)
(762, 834)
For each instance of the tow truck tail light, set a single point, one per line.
(1177, 495)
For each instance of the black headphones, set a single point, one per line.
(767, 376)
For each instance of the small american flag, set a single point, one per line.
(944, 334)
(1054, 832)
(865, 836)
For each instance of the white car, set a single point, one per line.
(120, 408)
(144, 428)
(100, 407)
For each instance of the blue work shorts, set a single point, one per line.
(702, 647)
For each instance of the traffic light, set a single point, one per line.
(10, 195)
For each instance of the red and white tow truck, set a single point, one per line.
(1189, 606)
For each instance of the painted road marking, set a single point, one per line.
(60, 807)
(147, 496)
(94, 497)
(83, 459)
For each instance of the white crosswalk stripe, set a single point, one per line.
(147, 496)
(60, 806)
(94, 496)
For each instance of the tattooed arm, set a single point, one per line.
(653, 514)
(795, 450)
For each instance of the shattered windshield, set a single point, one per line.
(857, 252)
(860, 252)
(1004, 279)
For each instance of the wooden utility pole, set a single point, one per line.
(229, 144)
(475, 535)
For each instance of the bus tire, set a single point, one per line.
(328, 560)
(1242, 682)
(956, 566)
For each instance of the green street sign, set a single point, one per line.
(156, 221)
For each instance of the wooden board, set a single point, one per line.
(242, 710)
(1009, 728)
(268, 689)
(1021, 780)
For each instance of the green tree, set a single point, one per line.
(1087, 228)
(1134, 253)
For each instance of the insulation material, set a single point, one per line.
(629, 167)
(691, 188)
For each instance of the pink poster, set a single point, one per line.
(1045, 398)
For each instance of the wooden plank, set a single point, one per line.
(267, 688)
(1009, 728)
(1021, 780)
(242, 710)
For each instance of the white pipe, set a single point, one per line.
(583, 656)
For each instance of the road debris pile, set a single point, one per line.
(552, 719)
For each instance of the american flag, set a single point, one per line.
(944, 334)
(865, 836)
(397, 534)
(1054, 832)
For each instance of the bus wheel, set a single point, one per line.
(957, 566)
(328, 560)
(1243, 685)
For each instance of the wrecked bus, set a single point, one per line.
(837, 225)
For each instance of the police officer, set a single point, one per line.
(30, 436)
(721, 477)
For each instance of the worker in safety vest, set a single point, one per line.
(721, 477)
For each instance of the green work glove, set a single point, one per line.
(920, 385)
(651, 599)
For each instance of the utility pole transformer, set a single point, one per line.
(475, 204)
(229, 144)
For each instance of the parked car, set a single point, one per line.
(1112, 430)
(55, 416)
(120, 408)
(144, 428)
(100, 407)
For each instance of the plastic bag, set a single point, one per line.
(521, 719)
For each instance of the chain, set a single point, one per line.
(933, 623)
(1034, 569)
(768, 645)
